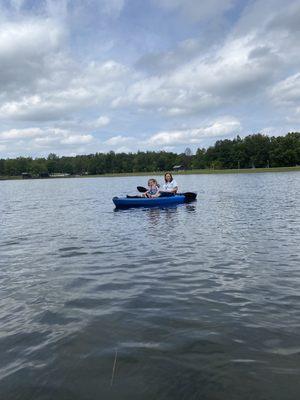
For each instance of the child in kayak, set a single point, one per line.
(153, 189)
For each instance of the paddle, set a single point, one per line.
(189, 196)
(142, 189)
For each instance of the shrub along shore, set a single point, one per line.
(254, 153)
(155, 173)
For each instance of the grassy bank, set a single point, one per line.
(9, 178)
(188, 172)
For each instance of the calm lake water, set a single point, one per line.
(200, 301)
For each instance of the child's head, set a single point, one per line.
(152, 182)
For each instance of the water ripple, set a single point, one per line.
(200, 301)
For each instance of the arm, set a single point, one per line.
(175, 187)
(157, 194)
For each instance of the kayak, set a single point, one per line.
(126, 202)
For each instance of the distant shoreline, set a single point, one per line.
(187, 172)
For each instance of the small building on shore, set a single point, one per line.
(59, 175)
(178, 168)
(26, 175)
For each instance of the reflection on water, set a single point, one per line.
(201, 300)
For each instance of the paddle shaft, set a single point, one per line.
(188, 195)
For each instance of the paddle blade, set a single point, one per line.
(190, 196)
(141, 189)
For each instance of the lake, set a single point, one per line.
(198, 301)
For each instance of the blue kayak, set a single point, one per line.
(126, 202)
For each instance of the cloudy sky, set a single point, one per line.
(80, 76)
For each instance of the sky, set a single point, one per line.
(86, 76)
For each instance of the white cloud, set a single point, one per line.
(103, 120)
(240, 68)
(285, 95)
(15, 134)
(224, 126)
(287, 91)
(118, 140)
(77, 139)
(46, 106)
(274, 130)
(43, 140)
(26, 49)
(123, 149)
(108, 70)
(67, 92)
(230, 71)
(169, 140)
(41, 81)
(274, 23)
(165, 95)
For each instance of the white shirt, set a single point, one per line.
(167, 186)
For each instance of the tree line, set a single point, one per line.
(252, 151)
